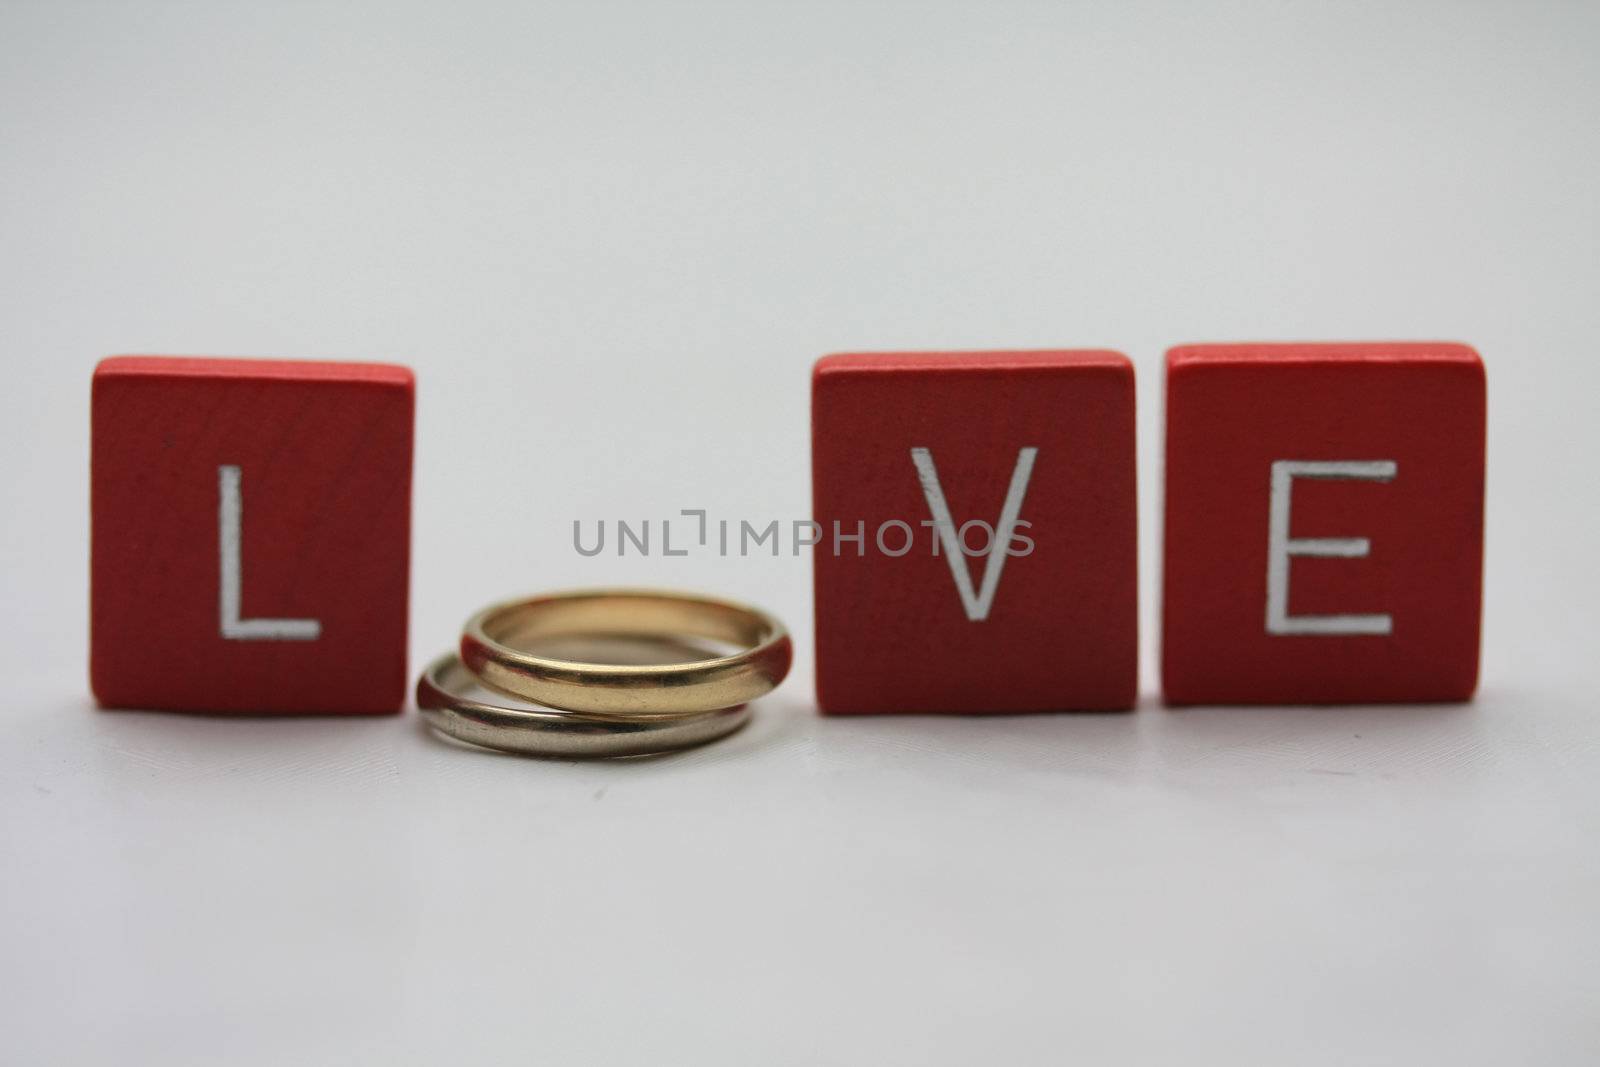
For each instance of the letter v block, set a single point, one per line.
(1324, 523)
(251, 530)
(977, 548)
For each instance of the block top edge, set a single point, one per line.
(253, 369)
(1445, 352)
(978, 359)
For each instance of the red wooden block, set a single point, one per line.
(1324, 523)
(908, 450)
(251, 529)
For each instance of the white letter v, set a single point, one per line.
(976, 604)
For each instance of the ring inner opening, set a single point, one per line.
(626, 630)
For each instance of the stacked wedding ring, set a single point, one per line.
(605, 709)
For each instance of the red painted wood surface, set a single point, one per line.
(1235, 410)
(893, 634)
(322, 454)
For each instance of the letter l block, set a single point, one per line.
(920, 453)
(250, 535)
(1324, 523)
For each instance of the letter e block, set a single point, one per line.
(250, 535)
(1324, 523)
(978, 543)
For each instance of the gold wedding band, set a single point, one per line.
(762, 652)
(441, 697)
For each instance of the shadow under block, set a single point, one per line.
(908, 446)
(250, 535)
(1324, 523)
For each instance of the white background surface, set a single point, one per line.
(611, 238)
